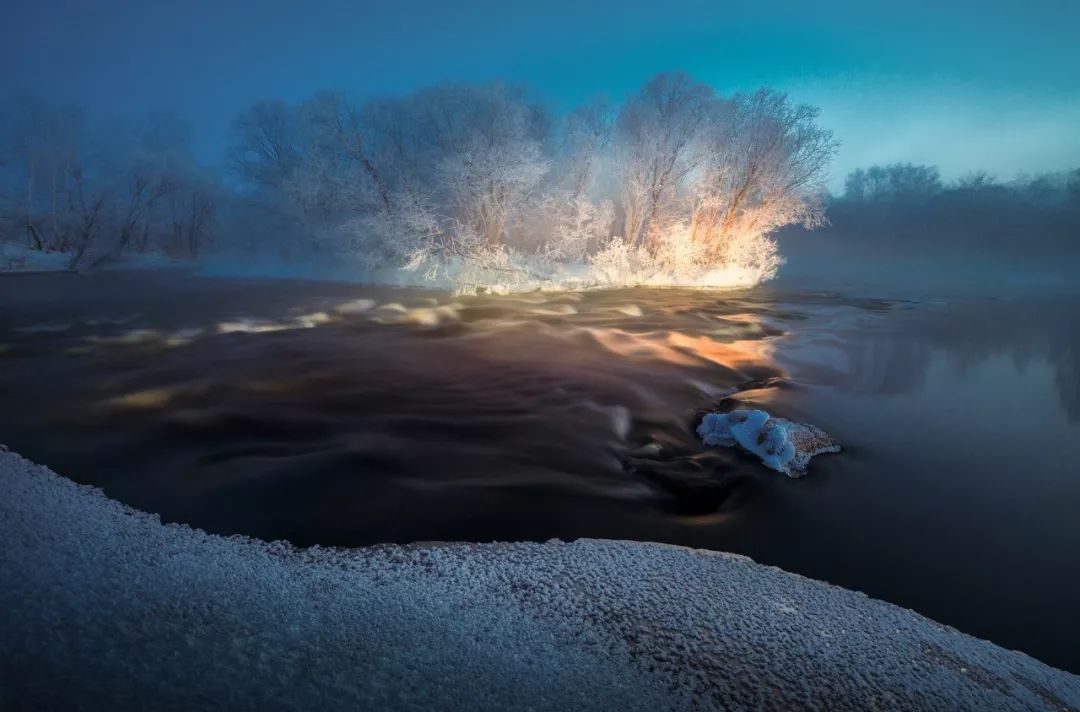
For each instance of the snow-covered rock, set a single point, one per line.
(783, 445)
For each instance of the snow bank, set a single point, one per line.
(783, 445)
(103, 607)
(16, 258)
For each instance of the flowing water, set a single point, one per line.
(336, 414)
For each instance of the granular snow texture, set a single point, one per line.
(103, 607)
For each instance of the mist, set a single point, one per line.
(902, 227)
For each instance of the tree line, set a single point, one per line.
(906, 211)
(465, 183)
(89, 191)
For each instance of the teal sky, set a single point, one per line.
(966, 85)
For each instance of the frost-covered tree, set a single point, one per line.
(264, 148)
(465, 169)
(98, 190)
(764, 165)
(304, 171)
(659, 132)
(494, 170)
(42, 152)
(585, 135)
(704, 179)
(482, 181)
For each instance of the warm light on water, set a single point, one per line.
(338, 414)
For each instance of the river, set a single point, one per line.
(337, 414)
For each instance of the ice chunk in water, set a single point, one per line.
(783, 445)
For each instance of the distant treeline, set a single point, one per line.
(89, 190)
(905, 212)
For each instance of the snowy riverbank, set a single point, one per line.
(16, 259)
(103, 607)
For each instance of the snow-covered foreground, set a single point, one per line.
(103, 607)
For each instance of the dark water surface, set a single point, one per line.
(269, 409)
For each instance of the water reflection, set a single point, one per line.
(893, 357)
(334, 414)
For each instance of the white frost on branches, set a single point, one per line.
(479, 186)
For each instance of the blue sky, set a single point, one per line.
(966, 85)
